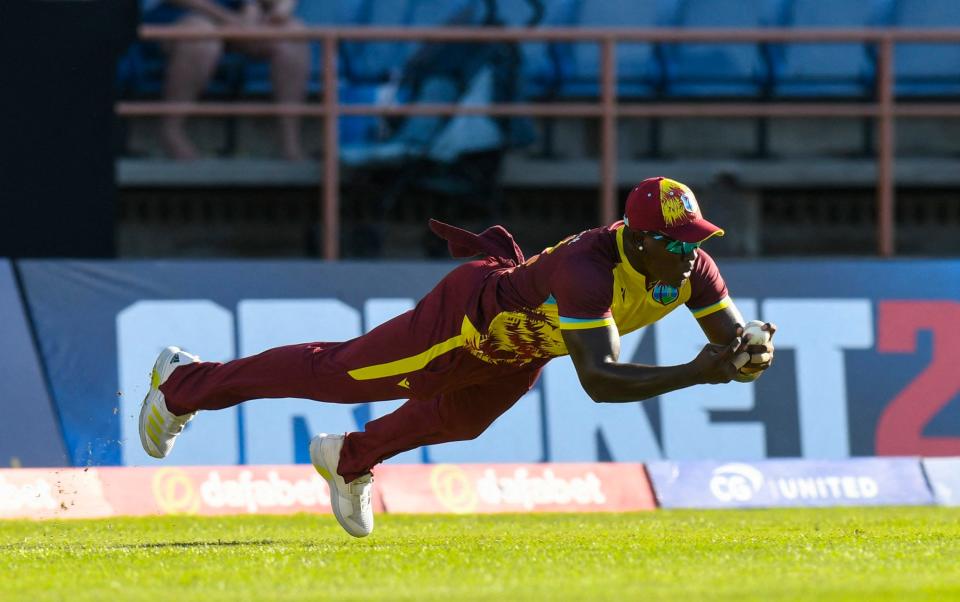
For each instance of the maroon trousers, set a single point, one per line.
(452, 395)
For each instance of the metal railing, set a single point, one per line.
(608, 109)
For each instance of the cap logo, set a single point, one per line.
(676, 203)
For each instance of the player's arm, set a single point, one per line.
(726, 324)
(719, 317)
(595, 351)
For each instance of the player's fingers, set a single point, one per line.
(760, 358)
(735, 346)
(740, 360)
(714, 349)
(771, 328)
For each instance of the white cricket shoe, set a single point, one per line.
(158, 427)
(350, 501)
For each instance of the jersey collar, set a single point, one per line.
(632, 271)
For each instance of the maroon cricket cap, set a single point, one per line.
(667, 206)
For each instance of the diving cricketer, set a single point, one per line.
(477, 342)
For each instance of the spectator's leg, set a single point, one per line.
(189, 67)
(289, 71)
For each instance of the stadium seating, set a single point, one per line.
(711, 70)
(638, 70)
(927, 69)
(380, 71)
(540, 61)
(807, 70)
(813, 70)
(379, 62)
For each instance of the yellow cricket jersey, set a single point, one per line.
(585, 281)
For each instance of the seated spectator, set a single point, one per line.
(192, 63)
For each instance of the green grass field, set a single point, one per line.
(863, 554)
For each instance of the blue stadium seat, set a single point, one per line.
(326, 12)
(638, 70)
(540, 68)
(837, 70)
(378, 62)
(429, 13)
(436, 13)
(719, 69)
(413, 137)
(927, 69)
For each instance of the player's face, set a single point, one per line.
(669, 261)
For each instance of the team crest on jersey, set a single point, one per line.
(676, 202)
(664, 294)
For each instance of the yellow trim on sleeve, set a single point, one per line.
(584, 325)
(710, 309)
(407, 364)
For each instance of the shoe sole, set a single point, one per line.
(316, 458)
(155, 382)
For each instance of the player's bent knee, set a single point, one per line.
(466, 432)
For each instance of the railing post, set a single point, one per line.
(885, 141)
(330, 202)
(608, 131)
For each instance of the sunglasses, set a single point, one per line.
(675, 246)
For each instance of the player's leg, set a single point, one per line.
(181, 384)
(413, 353)
(408, 355)
(318, 371)
(345, 461)
(452, 416)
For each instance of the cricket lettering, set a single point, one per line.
(815, 334)
(900, 428)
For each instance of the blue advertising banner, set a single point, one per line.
(29, 433)
(944, 477)
(866, 357)
(775, 483)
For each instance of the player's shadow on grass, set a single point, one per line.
(147, 546)
(198, 544)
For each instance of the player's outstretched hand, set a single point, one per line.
(714, 364)
(761, 356)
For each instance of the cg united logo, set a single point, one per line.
(174, 491)
(735, 482)
(453, 488)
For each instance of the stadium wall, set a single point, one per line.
(29, 433)
(100, 492)
(866, 363)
